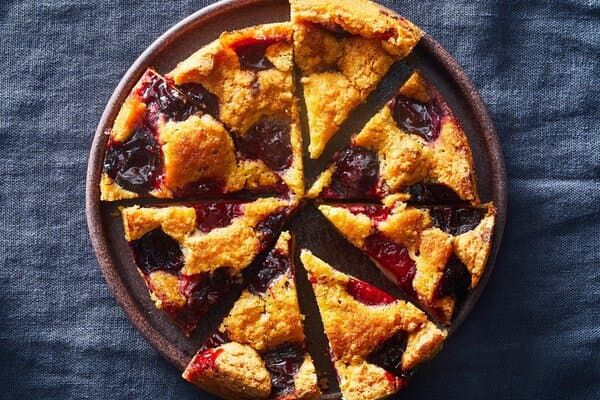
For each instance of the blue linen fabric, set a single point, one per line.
(535, 334)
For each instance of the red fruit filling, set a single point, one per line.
(283, 364)
(270, 227)
(389, 355)
(456, 220)
(252, 52)
(393, 258)
(216, 215)
(157, 251)
(373, 211)
(456, 280)
(355, 175)
(162, 96)
(415, 117)
(275, 264)
(368, 294)
(203, 362)
(431, 193)
(215, 340)
(267, 140)
(204, 100)
(136, 164)
(203, 187)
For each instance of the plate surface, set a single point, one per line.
(310, 229)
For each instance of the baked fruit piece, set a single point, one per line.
(250, 71)
(259, 350)
(343, 48)
(190, 256)
(375, 339)
(413, 145)
(436, 254)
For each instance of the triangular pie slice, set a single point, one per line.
(250, 73)
(343, 48)
(435, 254)
(224, 120)
(259, 350)
(414, 145)
(376, 341)
(192, 255)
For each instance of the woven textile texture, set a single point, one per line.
(535, 334)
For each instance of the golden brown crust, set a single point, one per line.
(429, 247)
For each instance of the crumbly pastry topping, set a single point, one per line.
(226, 120)
(435, 253)
(375, 339)
(343, 49)
(266, 323)
(414, 144)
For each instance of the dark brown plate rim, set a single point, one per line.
(93, 213)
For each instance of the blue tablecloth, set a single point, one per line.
(535, 333)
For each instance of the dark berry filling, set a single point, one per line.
(367, 294)
(417, 118)
(283, 364)
(161, 96)
(270, 227)
(389, 354)
(429, 193)
(204, 100)
(135, 164)
(203, 187)
(252, 53)
(456, 220)
(456, 280)
(374, 211)
(275, 264)
(215, 215)
(157, 251)
(394, 258)
(202, 291)
(215, 340)
(267, 140)
(356, 173)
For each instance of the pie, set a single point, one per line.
(375, 339)
(215, 149)
(343, 49)
(259, 350)
(413, 145)
(190, 256)
(436, 254)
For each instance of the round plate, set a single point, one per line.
(179, 42)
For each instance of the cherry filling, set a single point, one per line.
(157, 251)
(283, 364)
(202, 291)
(417, 118)
(275, 264)
(267, 140)
(271, 226)
(373, 211)
(251, 52)
(368, 294)
(202, 187)
(204, 100)
(162, 96)
(456, 280)
(215, 340)
(394, 258)
(356, 173)
(428, 193)
(203, 362)
(456, 220)
(216, 215)
(389, 354)
(135, 164)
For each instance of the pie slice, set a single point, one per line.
(259, 350)
(413, 145)
(375, 339)
(435, 254)
(250, 73)
(343, 48)
(190, 256)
